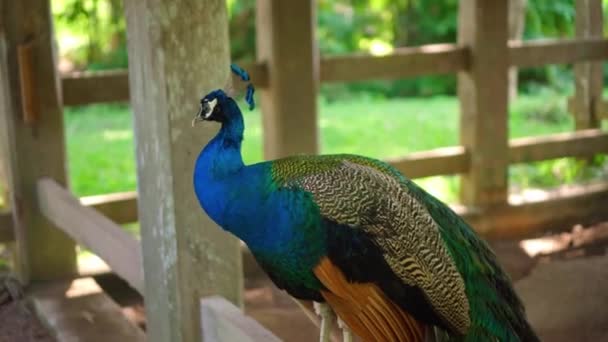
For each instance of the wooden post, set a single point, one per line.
(517, 22)
(31, 113)
(178, 51)
(586, 105)
(483, 94)
(286, 42)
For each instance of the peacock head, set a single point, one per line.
(213, 107)
(219, 106)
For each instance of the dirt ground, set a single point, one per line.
(17, 321)
(563, 288)
(562, 285)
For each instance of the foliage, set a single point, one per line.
(91, 32)
(549, 18)
(92, 35)
(242, 29)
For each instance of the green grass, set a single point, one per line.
(101, 151)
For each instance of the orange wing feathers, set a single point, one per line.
(365, 308)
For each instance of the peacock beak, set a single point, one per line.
(200, 115)
(205, 111)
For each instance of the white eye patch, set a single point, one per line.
(212, 105)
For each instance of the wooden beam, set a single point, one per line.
(603, 110)
(122, 207)
(91, 229)
(6, 227)
(441, 161)
(517, 21)
(119, 207)
(541, 52)
(542, 211)
(178, 51)
(403, 62)
(83, 88)
(222, 321)
(483, 101)
(286, 42)
(258, 72)
(35, 148)
(79, 310)
(585, 143)
(588, 77)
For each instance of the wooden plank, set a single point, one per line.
(258, 72)
(95, 87)
(402, 63)
(89, 228)
(82, 88)
(186, 256)
(119, 207)
(37, 149)
(585, 143)
(588, 77)
(6, 227)
(603, 110)
(79, 310)
(223, 322)
(286, 42)
(122, 207)
(517, 21)
(441, 161)
(483, 101)
(542, 211)
(534, 53)
(522, 150)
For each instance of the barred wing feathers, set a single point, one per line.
(362, 194)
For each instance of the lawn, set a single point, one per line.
(101, 151)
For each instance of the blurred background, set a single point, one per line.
(91, 36)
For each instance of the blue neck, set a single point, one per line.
(243, 199)
(218, 163)
(222, 155)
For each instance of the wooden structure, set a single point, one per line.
(182, 253)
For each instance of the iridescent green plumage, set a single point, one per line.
(424, 242)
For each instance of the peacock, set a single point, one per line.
(357, 237)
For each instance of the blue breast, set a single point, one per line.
(248, 204)
(281, 226)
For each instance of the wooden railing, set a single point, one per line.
(431, 59)
(113, 86)
(105, 238)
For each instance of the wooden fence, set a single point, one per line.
(113, 86)
(287, 51)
